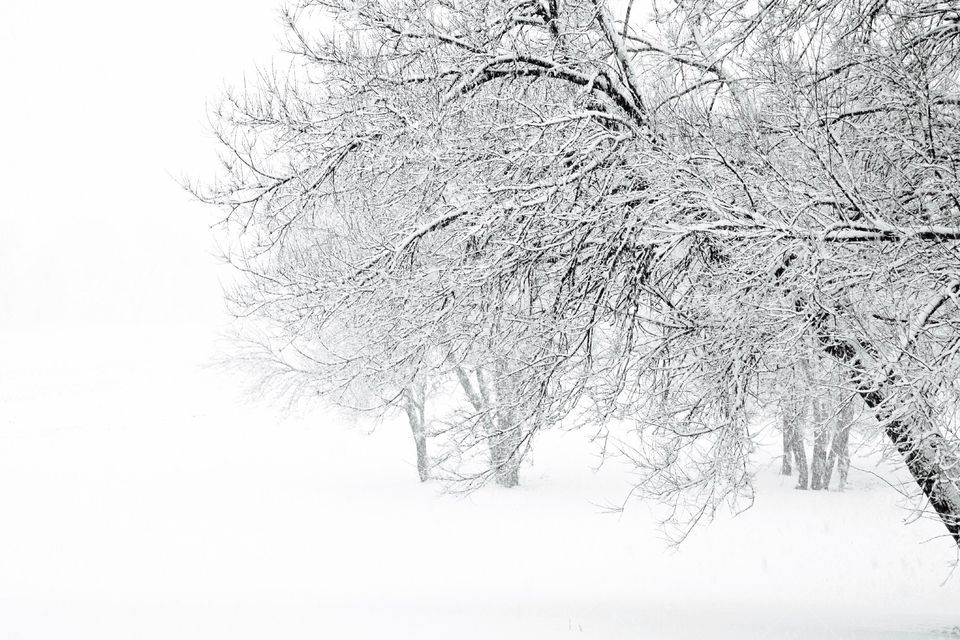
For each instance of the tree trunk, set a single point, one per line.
(800, 456)
(819, 475)
(929, 458)
(502, 436)
(840, 447)
(935, 467)
(414, 400)
(509, 431)
(793, 411)
(821, 432)
(786, 468)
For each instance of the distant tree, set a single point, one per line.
(818, 404)
(342, 318)
(793, 415)
(671, 203)
(840, 444)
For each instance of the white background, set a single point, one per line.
(104, 107)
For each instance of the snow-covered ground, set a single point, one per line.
(141, 497)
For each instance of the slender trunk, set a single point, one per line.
(840, 446)
(500, 435)
(821, 433)
(786, 468)
(793, 411)
(935, 466)
(819, 475)
(800, 456)
(509, 431)
(414, 400)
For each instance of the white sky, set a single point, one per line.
(104, 108)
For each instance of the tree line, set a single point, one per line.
(677, 215)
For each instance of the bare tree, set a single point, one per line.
(840, 444)
(816, 402)
(672, 206)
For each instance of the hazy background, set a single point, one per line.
(104, 109)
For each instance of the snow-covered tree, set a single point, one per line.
(822, 409)
(652, 210)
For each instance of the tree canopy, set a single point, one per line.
(624, 211)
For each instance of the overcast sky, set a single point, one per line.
(104, 108)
